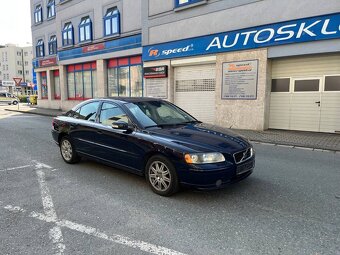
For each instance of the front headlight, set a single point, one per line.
(204, 158)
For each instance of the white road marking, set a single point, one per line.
(119, 239)
(55, 233)
(39, 165)
(15, 209)
(14, 168)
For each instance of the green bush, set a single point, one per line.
(22, 99)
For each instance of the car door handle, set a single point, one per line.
(318, 102)
(73, 125)
(99, 132)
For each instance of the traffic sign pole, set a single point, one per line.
(17, 84)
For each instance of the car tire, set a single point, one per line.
(67, 151)
(161, 176)
(15, 102)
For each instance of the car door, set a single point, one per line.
(83, 128)
(118, 146)
(3, 97)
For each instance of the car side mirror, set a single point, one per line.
(121, 125)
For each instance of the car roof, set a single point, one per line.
(132, 99)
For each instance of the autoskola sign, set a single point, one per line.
(302, 30)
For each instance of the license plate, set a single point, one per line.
(244, 167)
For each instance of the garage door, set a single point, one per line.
(195, 90)
(306, 94)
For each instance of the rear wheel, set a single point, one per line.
(161, 176)
(67, 151)
(15, 102)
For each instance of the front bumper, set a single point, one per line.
(208, 177)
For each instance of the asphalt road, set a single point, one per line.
(290, 205)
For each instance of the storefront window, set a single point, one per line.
(87, 84)
(136, 75)
(81, 81)
(78, 77)
(44, 91)
(112, 82)
(94, 84)
(70, 86)
(125, 77)
(57, 94)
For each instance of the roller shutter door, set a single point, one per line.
(195, 90)
(311, 99)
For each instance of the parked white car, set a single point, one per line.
(8, 98)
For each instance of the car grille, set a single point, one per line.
(242, 156)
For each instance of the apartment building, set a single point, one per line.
(16, 62)
(86, 49)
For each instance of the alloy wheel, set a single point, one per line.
(66, 150)
(159, 176)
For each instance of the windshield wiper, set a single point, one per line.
(167, 125)
(192, 122)
(175, 124)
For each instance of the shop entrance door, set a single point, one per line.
(306, 104)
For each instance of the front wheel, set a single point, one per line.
(15, 102)
(161, 176)
(67, 151)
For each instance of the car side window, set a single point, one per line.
(111, 113)
(87, 112)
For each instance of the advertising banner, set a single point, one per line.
(296, 31)
(239, 80)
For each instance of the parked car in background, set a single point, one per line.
(156, 139)
(8, 98)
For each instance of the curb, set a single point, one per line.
(300, 147)
(35, 113)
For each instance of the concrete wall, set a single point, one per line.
(244, 114)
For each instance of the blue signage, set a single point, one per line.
(296, 31)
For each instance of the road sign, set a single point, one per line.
(17, 81)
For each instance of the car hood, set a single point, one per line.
(202, 138)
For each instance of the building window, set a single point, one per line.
(280, 85)
(332, 83)
(125, 77)
(19, 53)
(57, 94)
(38, 14)
(112, 22)
(85, 29)
(52, 45)
(81, 81)
(180, 3)
(26, 53)
(40, 52)
(50, 9)
(68, 34)
(20, 72)
(26, 63)
(43, 81)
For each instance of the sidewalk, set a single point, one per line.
(24, 108)
(310, 140)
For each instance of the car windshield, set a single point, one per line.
(159, 114)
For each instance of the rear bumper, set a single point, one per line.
(55, 136)
(215, 179)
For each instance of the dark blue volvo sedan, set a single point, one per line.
(155, 139)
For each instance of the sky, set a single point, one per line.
(15, 22)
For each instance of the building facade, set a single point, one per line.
(250, 64)
(86, 49)
(16, 62)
